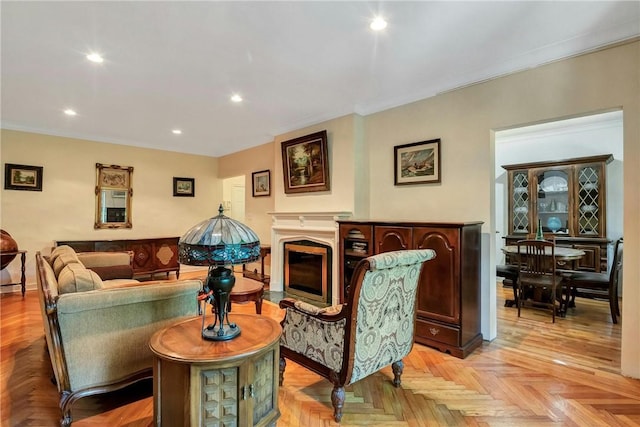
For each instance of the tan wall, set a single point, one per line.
(65, 209)
(245, 163)
(255, 209)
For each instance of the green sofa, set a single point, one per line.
(98, 320)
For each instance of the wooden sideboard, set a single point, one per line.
(448, 306)
(150, 256)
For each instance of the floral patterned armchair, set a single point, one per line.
(372, 330)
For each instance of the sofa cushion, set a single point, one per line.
(62, 260)
(57, 251)
(75, 277)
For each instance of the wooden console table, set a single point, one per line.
(23, 280)
(150, 256)
(197, 382)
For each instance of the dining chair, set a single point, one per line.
(537, 261)
(598, 285)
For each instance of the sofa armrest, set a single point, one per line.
(320, 337)
(331, 314)
(109, 265)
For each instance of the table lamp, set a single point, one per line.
(218, 242)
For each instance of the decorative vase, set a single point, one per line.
(554, 224)
(7, 244)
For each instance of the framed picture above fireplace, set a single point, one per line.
(305, 164)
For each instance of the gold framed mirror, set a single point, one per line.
(113, 196)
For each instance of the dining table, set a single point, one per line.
(562, 254)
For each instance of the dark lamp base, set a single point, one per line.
(219, 283)
(230, 332)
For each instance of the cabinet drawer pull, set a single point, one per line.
(247, 392)
(434, 331)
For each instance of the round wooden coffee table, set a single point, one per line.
(246, 291)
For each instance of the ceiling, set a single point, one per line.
(174, 65)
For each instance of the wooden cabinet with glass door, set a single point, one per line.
(568, 199)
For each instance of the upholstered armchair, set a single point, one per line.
(373, 329)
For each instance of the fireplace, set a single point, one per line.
(307, 270)
(318, 227)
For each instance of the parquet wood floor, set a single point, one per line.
(534, 373)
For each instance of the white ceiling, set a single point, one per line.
(175, 64)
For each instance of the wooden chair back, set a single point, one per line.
(537, 261)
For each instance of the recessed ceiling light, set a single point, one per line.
(378, 24)
(236, 98)
(177, 131)
(70, 112)
(94, 57)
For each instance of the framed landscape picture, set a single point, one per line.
(261, 183)
(417, 163)
(22, 177)
(184, 187)
(305, 164)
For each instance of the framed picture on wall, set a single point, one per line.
(184, 187)
(417, 163)
(261, 183)
(22, 177)
(306, 164)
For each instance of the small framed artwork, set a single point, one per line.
(417, 163)
(22, 177)
(261, 183)
(306, 164)
(184, 187)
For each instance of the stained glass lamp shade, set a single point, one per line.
(219, 242)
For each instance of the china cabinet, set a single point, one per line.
(448, 302)
(567, 200)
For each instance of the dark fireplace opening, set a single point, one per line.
(307, 270)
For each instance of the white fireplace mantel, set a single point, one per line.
(321, 227)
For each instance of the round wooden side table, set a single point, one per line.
(197, 382)
(245, 291)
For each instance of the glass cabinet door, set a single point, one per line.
(588, 195)
(520, 202)
(553, 200)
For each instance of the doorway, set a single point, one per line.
(563, 139)
(233, 195)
